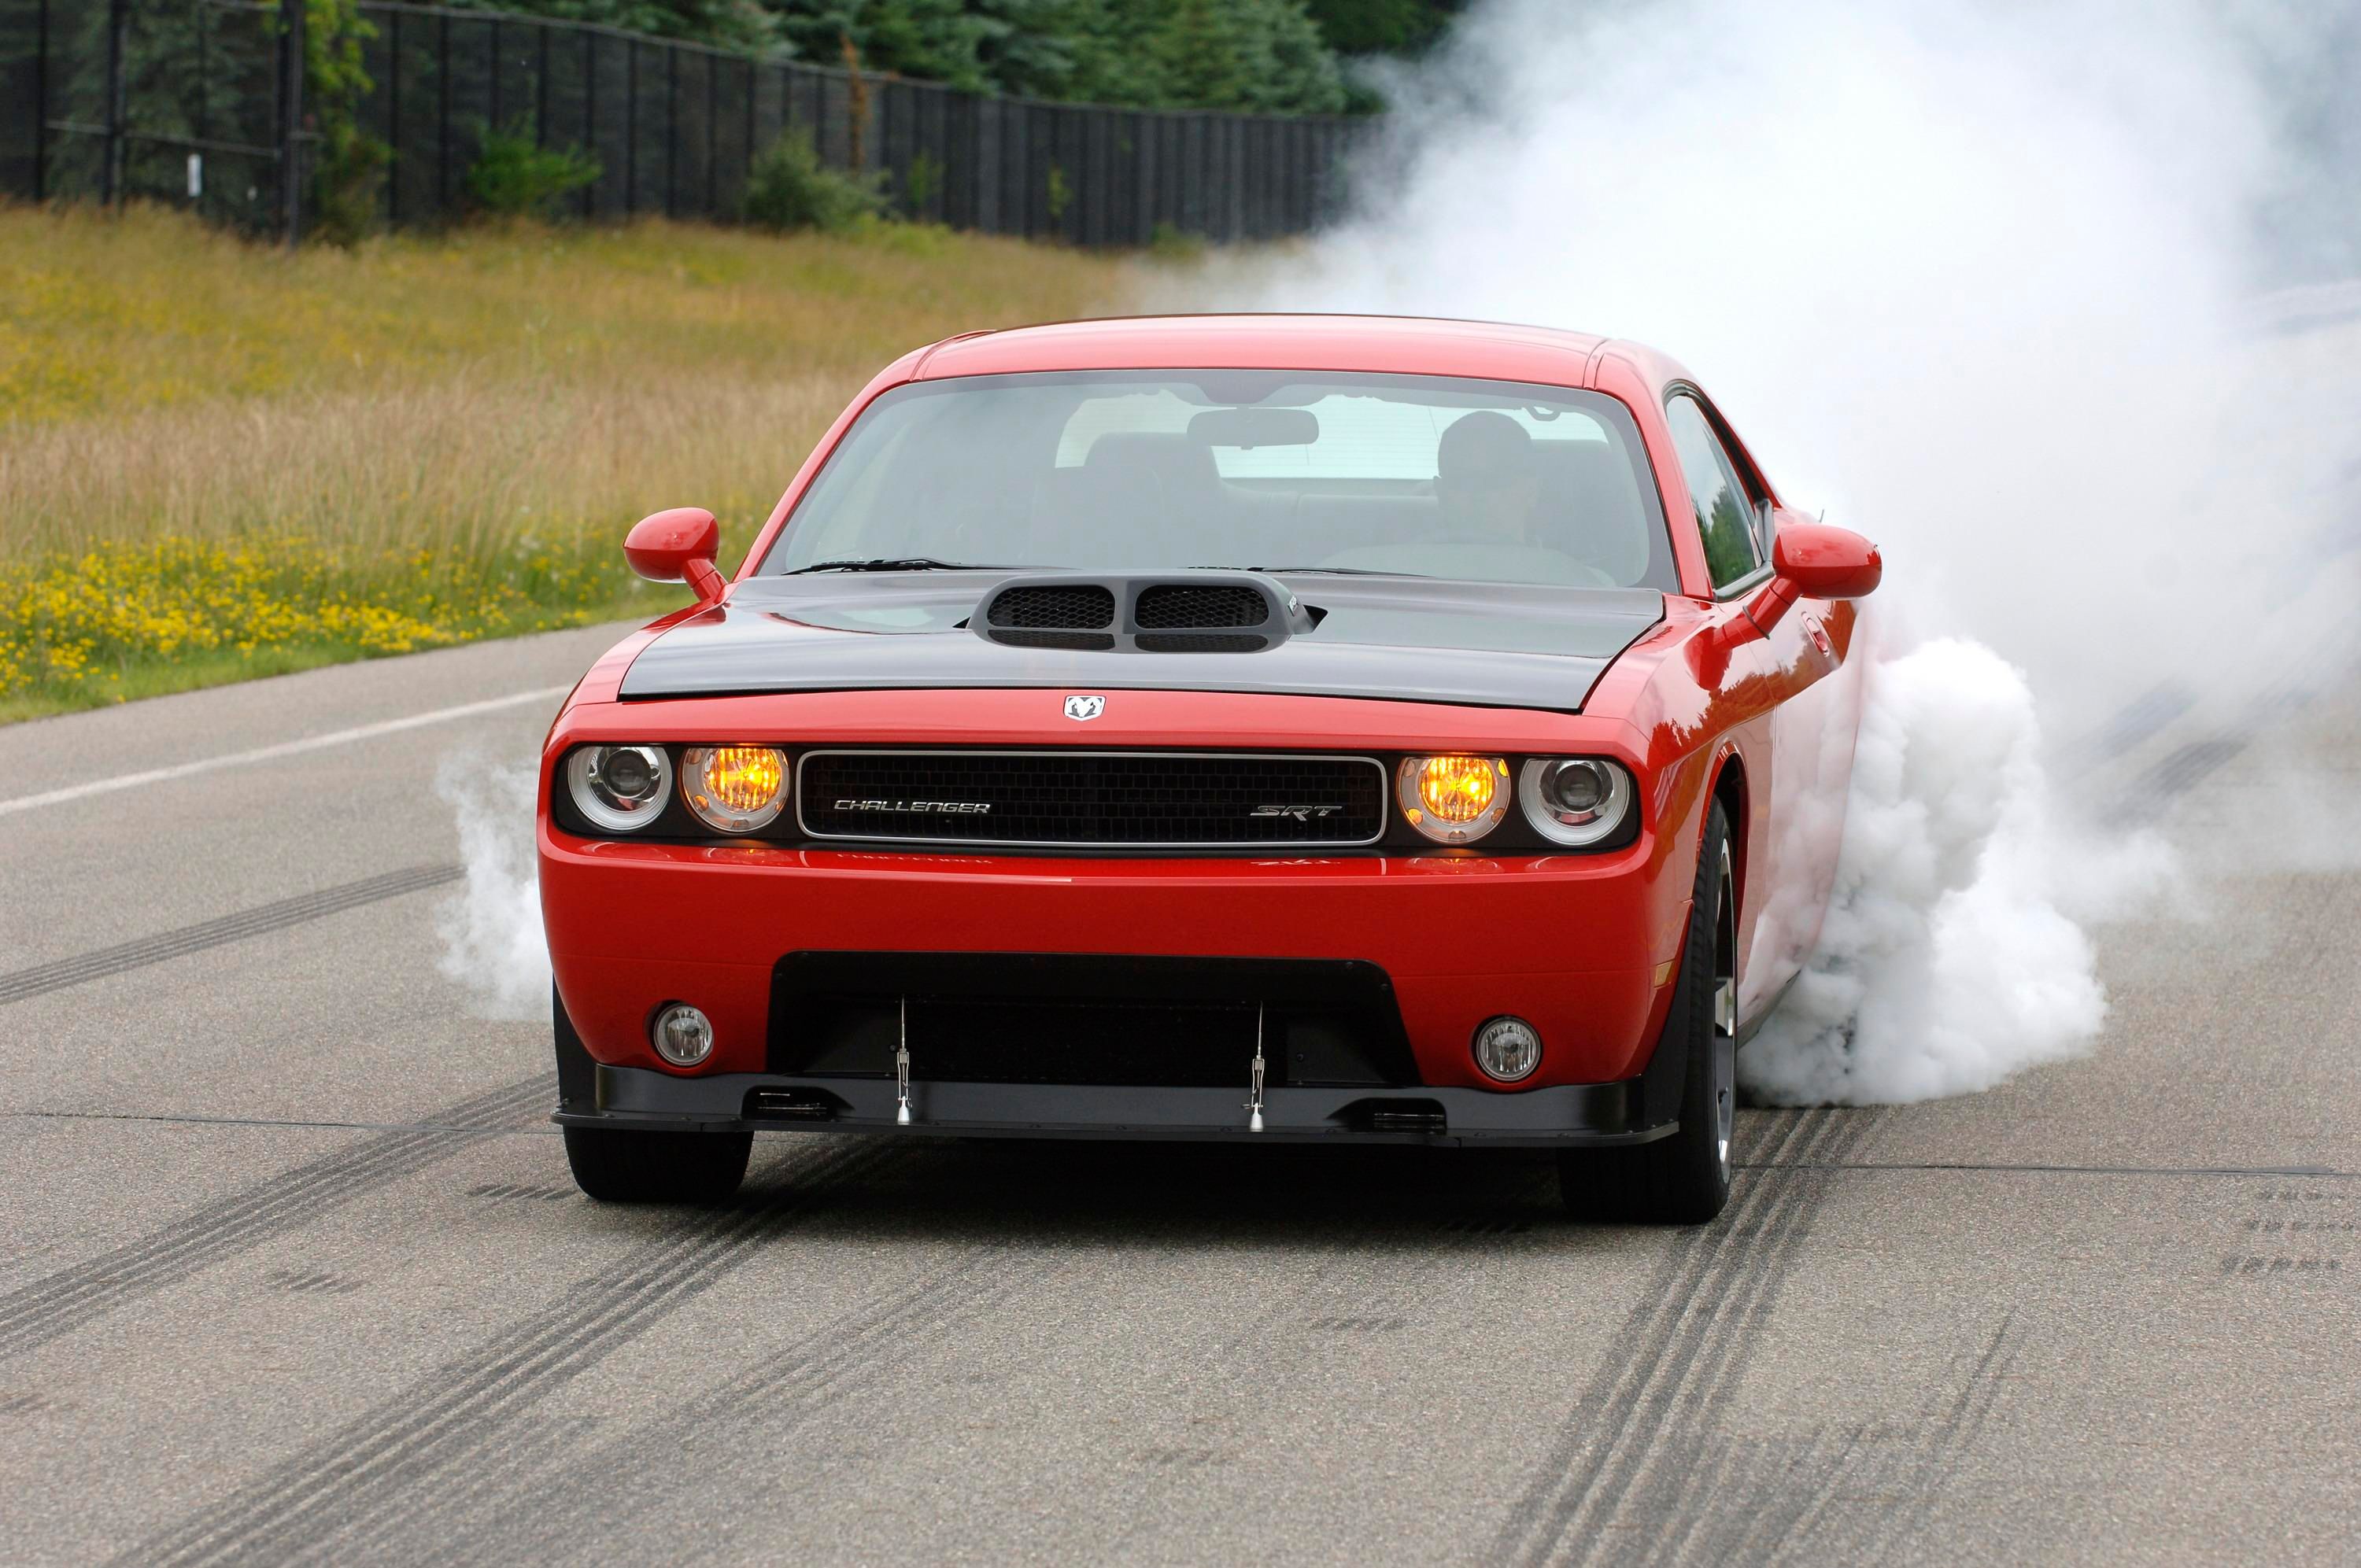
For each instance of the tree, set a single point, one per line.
(1266, 55)
(1382, 27)
(744, 24)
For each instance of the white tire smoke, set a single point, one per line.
(1977, 274)
(1947, 961)
(491, 930)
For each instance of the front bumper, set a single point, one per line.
(1582, 946)
(1569, 1114)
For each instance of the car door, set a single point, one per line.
(1795, 725)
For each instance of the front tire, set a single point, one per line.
(620, 1164)
(1684, 1178)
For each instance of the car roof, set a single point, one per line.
(1418, 345)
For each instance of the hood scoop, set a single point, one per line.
(1184, 612)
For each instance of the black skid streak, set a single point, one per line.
(1616, 1482)
(1930, 1462)
(1863, 1492)
(44, 977)
(370, 1469)
(1239, 1352)
(34, 1314)
(537, 1496)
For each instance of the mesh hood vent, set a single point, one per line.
(1083, 607)
(1177, 606)
(1190, 612)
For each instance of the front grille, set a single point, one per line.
(1082, 608)
(1092, 799)
(1081, 642)
(1175, 606)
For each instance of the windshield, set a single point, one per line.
(1160, 470)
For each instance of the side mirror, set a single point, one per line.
(1811, 560)
(1826, 563)
(677, 546)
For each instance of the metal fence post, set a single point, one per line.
(442, 113)
(393, 117)
(110, 180)
(590, 119)
(41, 104)
(291, 90)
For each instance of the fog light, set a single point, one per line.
(682, 1035)
(1508, 1049)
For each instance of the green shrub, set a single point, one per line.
(512, 177)
(348, 165)
(923, 182)
(789, 188)
(1170, 242)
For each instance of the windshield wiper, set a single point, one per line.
(900, 564)
(1331, 571)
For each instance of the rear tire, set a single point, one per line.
(1682, 1179)
(621, 1165)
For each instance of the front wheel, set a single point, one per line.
(1684, 1178)
(618, 1164)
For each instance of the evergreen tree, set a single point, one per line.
(1382, 27)
(746, 25)
(1263, 55)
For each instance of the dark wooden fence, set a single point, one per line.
(194, 101)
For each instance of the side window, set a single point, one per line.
(1725, 512)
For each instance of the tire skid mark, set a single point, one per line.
(1790, 1495)
(1719, 1340)
(370, 1466)
(1708, 1359)
(1542, 1516)
(1920, 1469)
(1863, 1493)
(277, 917)
(545, 1496)
(1165, 1460)
(1682, 1345)
(34, 1314)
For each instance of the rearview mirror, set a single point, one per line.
(1254, 427)
(677, 546)
(1826, 563)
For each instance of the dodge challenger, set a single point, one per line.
(1259, 727)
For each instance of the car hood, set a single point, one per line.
(1399, 639)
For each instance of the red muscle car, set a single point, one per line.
(1310, 727)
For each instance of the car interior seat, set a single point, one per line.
(1131, 483)
(1591, 508)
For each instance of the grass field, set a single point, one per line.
(219, 460)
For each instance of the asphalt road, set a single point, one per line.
(293, 1267)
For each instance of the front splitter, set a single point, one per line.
(1595, 1114)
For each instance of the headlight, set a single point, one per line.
(1453, 800)
(734, 789)
(1574, 800)
(619, 788)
